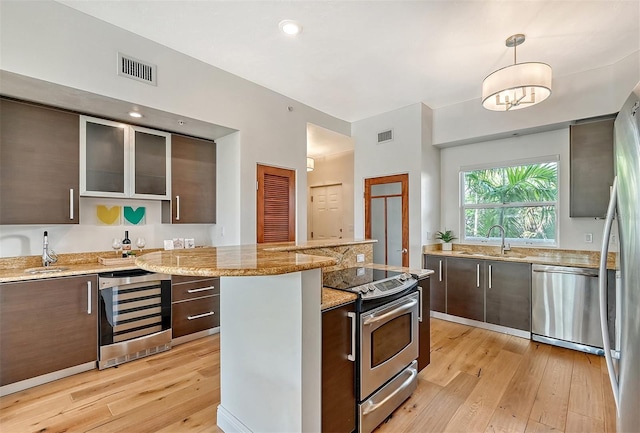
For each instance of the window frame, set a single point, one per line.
(493, 240)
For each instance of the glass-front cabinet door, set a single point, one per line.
(118, 160)
(151, 161)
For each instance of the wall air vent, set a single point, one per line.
(385, 136)
(136, 69)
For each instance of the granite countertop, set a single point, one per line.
(541, 256)
(244, 260)
(262, 259)
(13, 268)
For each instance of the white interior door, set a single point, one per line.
(326, 212)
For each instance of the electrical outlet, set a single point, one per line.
(588, 237)
(360, 258)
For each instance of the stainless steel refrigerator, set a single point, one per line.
(624, 362)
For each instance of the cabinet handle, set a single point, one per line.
(420, 306)
(177, 208)
(71, 203)
(490, 276)
(202, 289)
(440, 270)
(478, 275)
(352, 355)
(88, 297)
(198, 316)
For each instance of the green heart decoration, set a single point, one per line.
(134, 217)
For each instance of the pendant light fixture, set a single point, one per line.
(516, 86)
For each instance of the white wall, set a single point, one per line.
(409, 150)
(331, 170)
(51, 42)
(571, 230)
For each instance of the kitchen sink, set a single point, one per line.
(45, 270)
(508, 255)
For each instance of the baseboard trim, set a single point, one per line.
(489, 326)
(45, 378)
(195, 336)
(229, 423)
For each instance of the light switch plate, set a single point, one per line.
(360, 258)
(588, 237)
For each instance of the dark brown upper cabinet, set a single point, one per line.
(591, 158)
(39, 164)
(193, 182)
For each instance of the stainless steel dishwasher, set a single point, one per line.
(565, 309)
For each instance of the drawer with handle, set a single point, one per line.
(195, 289)
(195, 315)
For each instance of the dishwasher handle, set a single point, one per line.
(565, 270)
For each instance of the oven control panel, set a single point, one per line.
(386, 287)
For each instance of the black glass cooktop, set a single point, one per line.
(346, 279)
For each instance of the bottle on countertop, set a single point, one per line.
(126, 245)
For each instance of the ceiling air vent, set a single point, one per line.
(385, 136)
(136, 69)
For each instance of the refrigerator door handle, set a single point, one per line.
(602, 283)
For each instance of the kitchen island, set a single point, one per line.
(270, 346)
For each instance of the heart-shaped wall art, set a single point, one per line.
(108, 215)
(134, 217)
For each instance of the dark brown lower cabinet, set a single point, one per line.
(437, 281)
(46, 326)
(195, 304)
(338, 373)
(508, 294)
(424, 328)
(465, 288)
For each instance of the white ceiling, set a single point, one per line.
(355, 59)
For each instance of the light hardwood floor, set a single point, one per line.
(478, 381)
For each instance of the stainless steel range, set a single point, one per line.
(387, 311)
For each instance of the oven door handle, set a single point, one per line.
(396, 312)
(372, 407)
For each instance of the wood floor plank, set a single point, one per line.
(484, 354)
(161, 411)
(610, 412)
(586, 386)
(512, 413)
(179, 391)
(80, 418)
(474, 414)
(151, 391)
(536, 427)
(449, 361)
(196, 422)
(578, 423)
(412, 408)
(552, 399)
(435, 417)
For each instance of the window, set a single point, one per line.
(521, 197)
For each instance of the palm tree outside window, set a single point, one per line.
(523, 198)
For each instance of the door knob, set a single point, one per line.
(404, 251)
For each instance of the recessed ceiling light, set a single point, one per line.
(135, 114)
(290, 27)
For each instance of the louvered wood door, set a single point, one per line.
(276, 204)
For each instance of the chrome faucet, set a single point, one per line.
(503, 247)
(48, 256)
